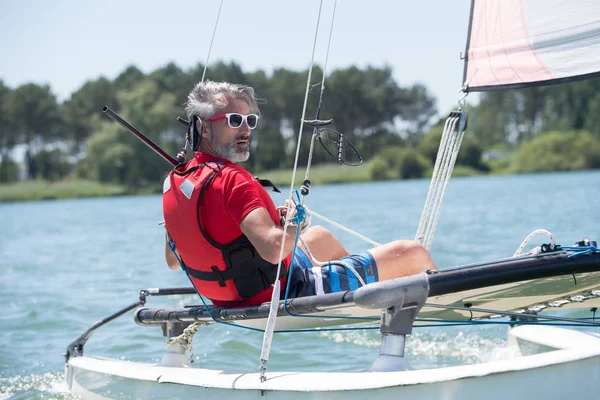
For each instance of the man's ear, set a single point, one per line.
(199, 125)
(204, 129)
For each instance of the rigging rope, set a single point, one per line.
(212, 41)
(529, 237)
(306, 184)
(450, 142)
(318, 113)
(182, 155)
(268, 335)
(342, 227)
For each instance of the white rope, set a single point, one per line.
(270, 327)
(433, 185)
(316, 130)
(530, 236)
(310, 154)
(451, 161)
(342, 227)
(450, 143)
(211, 41)
(439, 179)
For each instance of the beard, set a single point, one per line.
(229, 151)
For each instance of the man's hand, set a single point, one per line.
(282, 210)
(170, 257)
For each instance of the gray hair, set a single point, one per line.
(206, 98)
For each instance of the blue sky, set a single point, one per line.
(65, 42)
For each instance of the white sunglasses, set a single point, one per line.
(235, 120)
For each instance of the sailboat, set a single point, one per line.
(510, 44)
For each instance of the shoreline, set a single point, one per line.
(71, 188)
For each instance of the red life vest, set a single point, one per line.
(231, 272)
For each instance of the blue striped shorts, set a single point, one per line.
(333, 277)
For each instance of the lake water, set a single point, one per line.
(66, 264)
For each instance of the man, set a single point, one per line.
(225, 231)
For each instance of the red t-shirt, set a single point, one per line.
(230, 197)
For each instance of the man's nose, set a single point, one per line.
(244, 128)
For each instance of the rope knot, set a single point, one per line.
(300, 215)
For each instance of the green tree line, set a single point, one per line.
(392, 126)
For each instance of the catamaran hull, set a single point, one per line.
(571, 371)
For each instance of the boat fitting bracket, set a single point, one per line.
(400, 299)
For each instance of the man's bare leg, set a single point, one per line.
(394, 259)
(323, 244)
(401, 258)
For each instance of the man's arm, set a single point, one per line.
(266, 236)
(172, 261)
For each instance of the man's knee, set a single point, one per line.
(401, 258)
(320, 232)
(413, 251)
(407, 247)
(417, 248)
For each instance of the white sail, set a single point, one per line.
(519, 43)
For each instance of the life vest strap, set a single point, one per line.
(267, 183)
(220, 276)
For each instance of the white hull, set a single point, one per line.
(570, 371)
